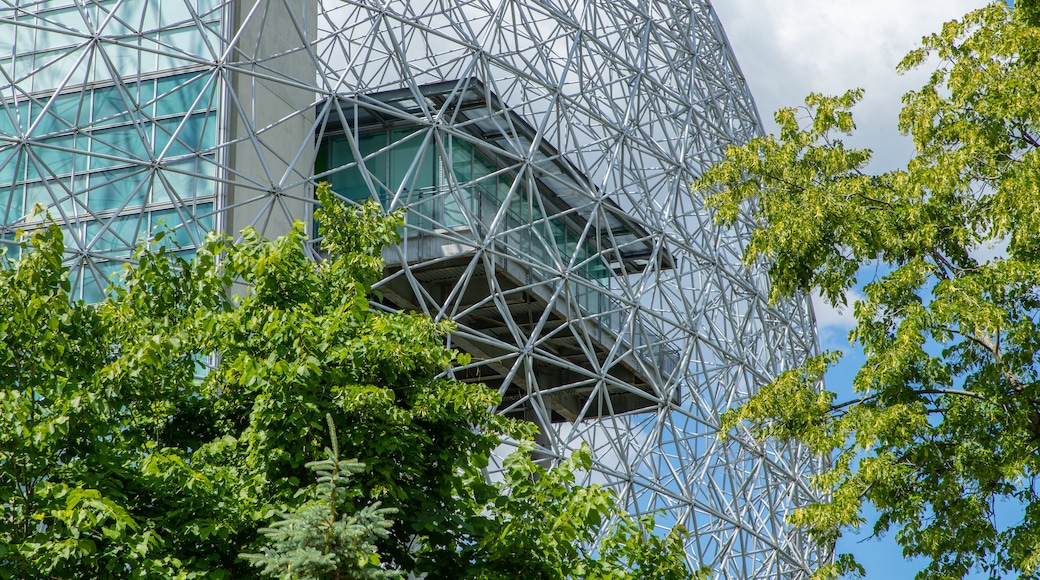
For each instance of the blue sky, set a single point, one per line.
(789, 48)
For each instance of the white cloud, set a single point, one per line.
(789, 48)
(991, 250)
(834, 323)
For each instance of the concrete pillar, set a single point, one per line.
(270, 118)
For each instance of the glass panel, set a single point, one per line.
(173, 12)
(12, 206)
(53, 26)
(53, 67)
(117, 17)
(118, 234)
(454, 200)
(110, 108)
(144, 96)
(13, 118)
(12, 165)
(504, 183)
(123, 144)
(205, 86)
(204, 218)
(208, 8)
(482, 166)
(45, 193)
(598, 271)
(562, 238)
(97, 278)
(24, 35)
(110, 189)
(64, 18)
(147, 54)
(21, 67)
(321, 158)
(350, 183)
(193, 232)
(56, 156)
(346, 182)
(198, 133)
(68, 197)
(122, 60)
(6, 41)
(487, 203)
(520, 208)
(207, 131)
(177, 47)
(375, 164)
(145, 14)
(63, 114)
(176, 182)
(461, 161)
(413, 171)
(170, 221)
(176, 94)
(404, 169)
(75, 289)
(205, 177)
(55, 4)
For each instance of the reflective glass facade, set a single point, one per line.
(115, 137)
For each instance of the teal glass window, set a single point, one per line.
(119, 234)
(96, 277)
(195, 133)
(102, 174)
(62, 115)
(399, 162)
(90, 151)
(13, 206)
(116, 155)
(112, 107)
(12, 165)
(124, 187)
(116, 146)
(181, 234)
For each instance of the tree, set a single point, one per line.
(541, 525)
(315, 542)
(946, 421)
(168, 429)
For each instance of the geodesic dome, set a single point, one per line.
(544, 150)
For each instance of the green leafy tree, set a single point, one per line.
(946, 421)
(169, 428)
(63, 511)
(538, 524)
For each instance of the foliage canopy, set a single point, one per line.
(946, 421)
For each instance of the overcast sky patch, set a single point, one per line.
(788, 49)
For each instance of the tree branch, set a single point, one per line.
(944, 265)
(983, 339)
(922, 392)
(1023, 135)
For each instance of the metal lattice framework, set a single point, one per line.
(544, 149)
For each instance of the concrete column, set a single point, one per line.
(270, 117)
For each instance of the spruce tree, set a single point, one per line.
(317, 541)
